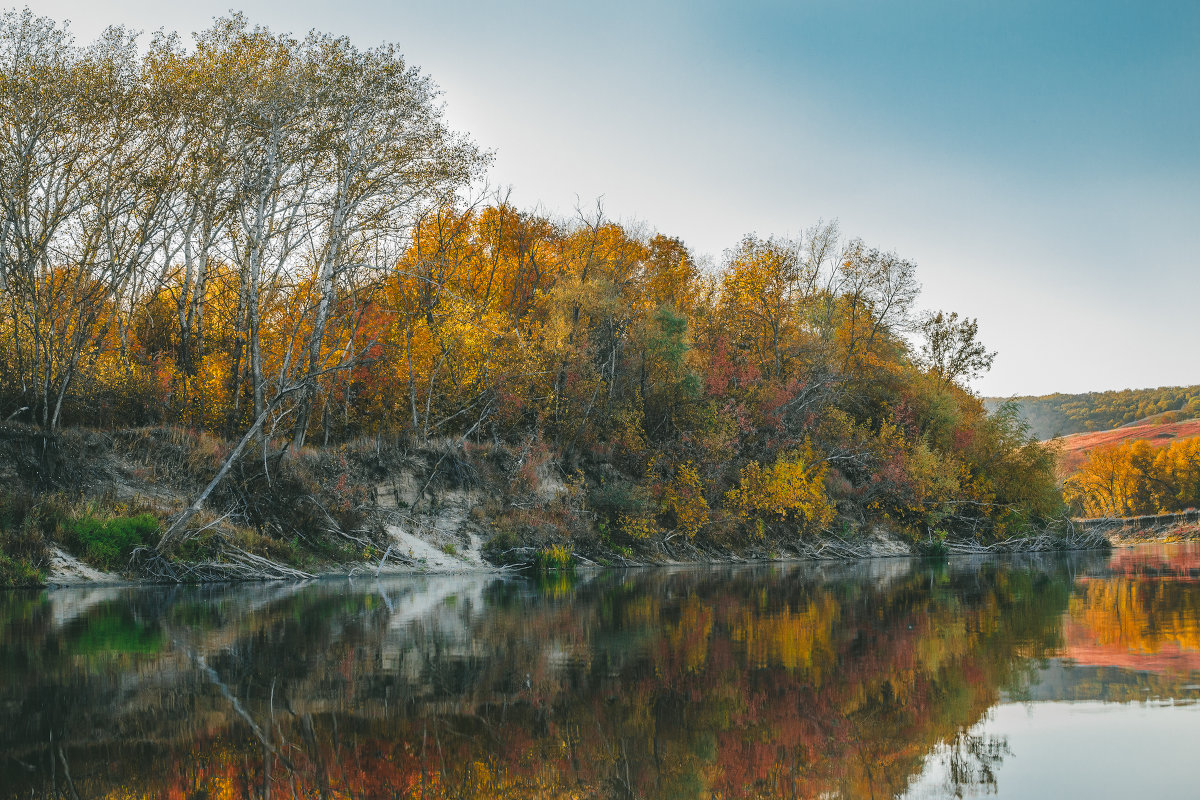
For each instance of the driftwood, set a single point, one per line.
(1116, 525)
(232, 564)
(1065, 535)
(1074, 538)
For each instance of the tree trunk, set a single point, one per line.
(173, 532)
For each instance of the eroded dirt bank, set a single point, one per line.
(92, 514)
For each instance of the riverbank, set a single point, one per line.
(95, 512)
(1182, 526)
(68, 571)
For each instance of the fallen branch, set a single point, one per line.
(234, 564)
(177, 527)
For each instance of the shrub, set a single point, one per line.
(17, 571)
(639, 528)
(497, 549)
(618, 497)
(794, 488)
(682, 501)
(934, 546)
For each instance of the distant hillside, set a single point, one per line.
(1062, 414)
(1159, 432)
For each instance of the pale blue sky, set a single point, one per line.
(1040, 161)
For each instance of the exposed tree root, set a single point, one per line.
(232, 564)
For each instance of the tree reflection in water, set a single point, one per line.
(779, 681)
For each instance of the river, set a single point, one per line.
(1026, 676)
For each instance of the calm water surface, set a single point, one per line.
(1049, 676)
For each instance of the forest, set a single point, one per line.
(1063, 414)
(278, 245)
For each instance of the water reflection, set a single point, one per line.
(782, 681)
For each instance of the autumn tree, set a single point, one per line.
(1136, 479)
(384, 154)
(951, 349)
(81, 216)
(761, 290)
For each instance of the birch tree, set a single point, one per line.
(76, 221)
(384, 154)
(279, 168)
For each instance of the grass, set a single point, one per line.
(554, 558)
(102, 533)
(26, 528)
(108, 543)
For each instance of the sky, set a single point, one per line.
(1038, 160)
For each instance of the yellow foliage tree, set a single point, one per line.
(683, 499)
(793, 489)
(1135, 479)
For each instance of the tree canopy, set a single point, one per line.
(282, 232)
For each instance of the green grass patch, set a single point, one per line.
(108, 543)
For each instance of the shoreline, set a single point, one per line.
(57, 582)
(366, 571)
(67, 571)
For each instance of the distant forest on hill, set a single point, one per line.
(1062, 414)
